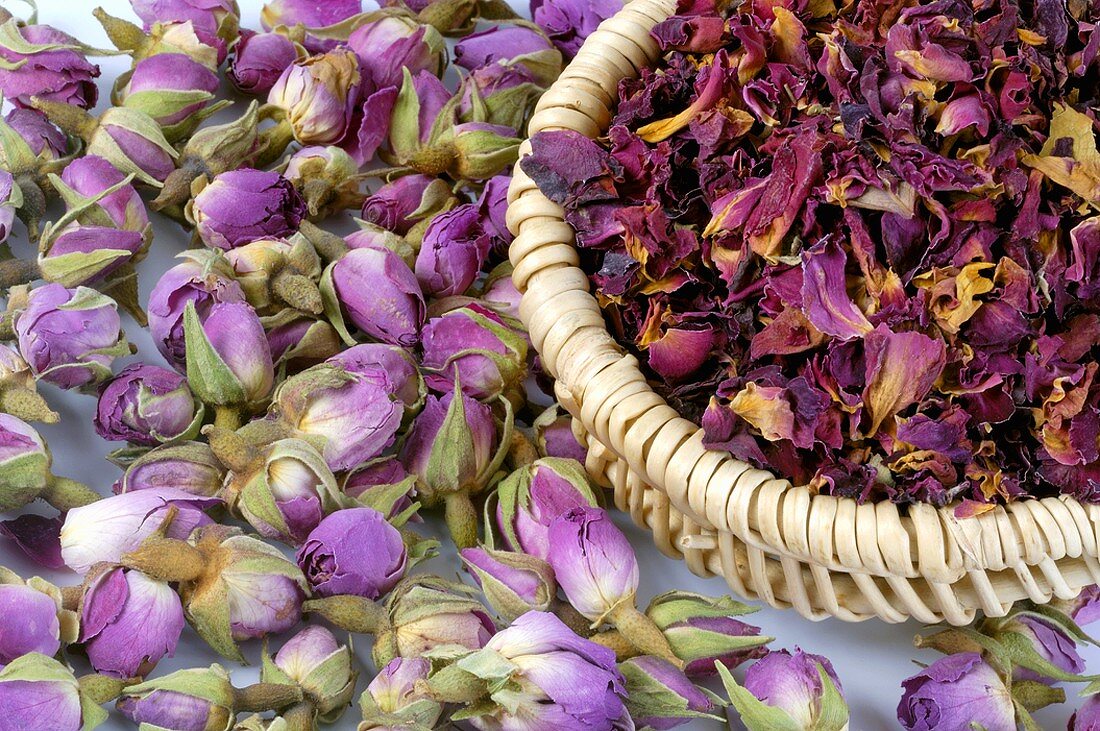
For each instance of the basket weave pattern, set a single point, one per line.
(821, 555)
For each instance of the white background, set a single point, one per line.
(871, 658)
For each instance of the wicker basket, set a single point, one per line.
(822, 555)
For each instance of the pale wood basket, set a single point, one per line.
(821, 555)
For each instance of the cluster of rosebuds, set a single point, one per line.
(319, 393)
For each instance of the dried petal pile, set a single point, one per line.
(861, 244)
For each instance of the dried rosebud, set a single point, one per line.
(395, 699)
(328, 179)
(127, 138)
(29, 147)
(70, 337)
(188, 466)
(956, 692)
(318, 96)
(388, 364)
(78, 254)
(802, 687)
(24, 465)
(513, 583)
(1047, 640)
(211, 15)
(197, 698)
(92, 177)
(452, 449)
(499, 294)
(531, 498)
(431, 617)
(172, 88)
(703, 630)
(369, 236)
(284, 492)
(45, 62)
(394, 42)
(517, 44)
(352, 416)
(593, 561)
(453, 251)
(382, 484)
(659, 696)
(247, 589)
(113, 526)
(145, 405)
(228, 358)
(259, 59)
(128, 622)
(244, 205)
(276, 274)
(318, 664)
(33, 618)
(400, 203)
(39, 692)
(474, 344)
(554, 435)
(569, 22)
(422, 113)
(213, 150)
(380, 294)
(204, 284)
(532, 656)
(493, 207)
(353, 551)
(298, 341)
(482, 150)
(1087, 717)
(309, 14)
(500, 93)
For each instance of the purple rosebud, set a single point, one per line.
(43, 138)
(513, 583)
(133, 142)
(473, 343)
(299, 342)
(543, 652)
(8, 204)
(497, 44)
(703, 630)
(128, 622)
(169, 87)
(318, 664)
(311, 14)
(187, 466)
(493, 208)
(56, 69)
(554, 436)
(204, 14)
(954, 693)
(319, 96)
(388, 364)
(431, 96)
(353, 551)
(70, 337)
(1087, 717)
(91, 175)
(393, 695)
(592, 560)
(355, 414)
(259, 59)
(666, 697)
(24, 463)
(382, 484)
(186, 700)
(1085, 609)
(393, 43)
(392, 206)
(380, 294)
(144, 404)
(1051, 643)
(533, 496)
(245, 205)
(231, 365)
(186, 282)
(430, 613)
(792, 683)
(441, 466)
(453, 251)
(38, 692)
(569, 22)
(29, 622)
(113, 526)
(499, 293)
(285, 494)
(80, 254)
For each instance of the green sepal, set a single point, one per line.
(331, 304)
(209, 376)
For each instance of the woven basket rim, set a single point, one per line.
(938, 545)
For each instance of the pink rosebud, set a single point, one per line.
(392, 43)
(953, 694)
(58, 72)
(319, 95)
(311, 14)
(259, 59)
(380, 295)
(473, 342)
(592, 560)
(453, 250)
(532, 497)
(128, 622)
(353, 551)
(145, 405)
(245, 205)
(395, 202)
(169, 87)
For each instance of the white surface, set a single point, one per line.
(871, 658)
